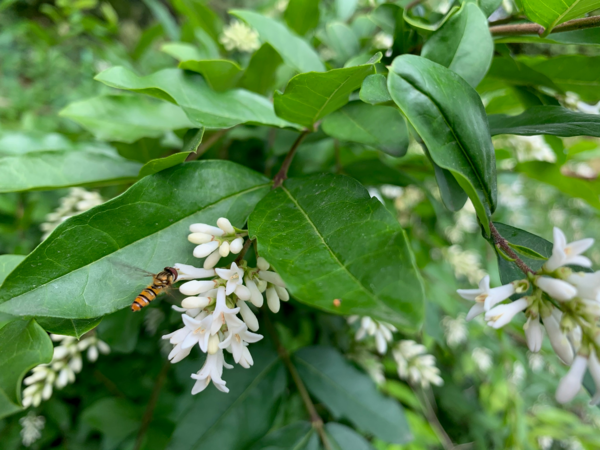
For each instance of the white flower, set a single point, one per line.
(594, 367)
(455, 330)
(482, 358)
(238, 337)
(587, 284)
(187, 272)
(234, 277)
(415, 365)
(536, 361)
(534, 334)
(77, 201)
(558, 339)
(248, 316)
(32, 427)
(570, 384)
(255, 295)
(500, 315)
(211, 371)
(466, 263)
(196, 287)
(239, 36)
(380, 330)
(557, 289)
(382, 40)
(564, 253)
(484, 297)
(222, 314)
(206, 229)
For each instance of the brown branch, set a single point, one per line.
(245, 248)
(282, 174)
(160, 381)
(534, 28)
(315, 419)
(207, 144)
(503, 244)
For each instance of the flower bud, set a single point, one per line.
(212, 260)
(282, 293)
(255, 296)
(213, 344)
(273, 299)
(195, 302)
(559, 341)
(224, 249)
(236, 245)
(196, 287)
(534, 333)
(203, 250)
(570, 384)
(200, 238)
(557, 289)
(248, 315)
(271, 277)
(225, 225)
(207, 229)
(243, 292)
(262, 263)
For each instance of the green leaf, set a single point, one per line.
(329, 240)
(296, 436)
(351, 394)
(201, 16)
(553, 120)
(63, 168)
(19, 142)
(344, 9)
(162, 14)
(302, 15)
(295, 51)
(8, 264)
(146, 227)
(464, 44)
(156, 165)
(489, 6)
(126, 118)
(418, 22)
(233, 421)
(115, 418)
(508, 70)
(342, 40)
(260, 75)
(458, 139)
(452, 194)
(311, 96)
(68, 327)
(587, 190)
(220, 74)
(527, 252)
(382, 127)
(374, 90)
(23, 345)
(584, 81)
(192, 140)
(344, 438)
(121, 330)
(509, 271)
(203, 106)
(549, 13)
(182, 51)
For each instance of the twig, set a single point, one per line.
(245, 248)
(160, 380)
(315, 419)
(434, 421)
(503, 244)
(282, 174)
(534, 28)
(207, 144)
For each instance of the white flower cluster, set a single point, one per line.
(416, 365)
(455, 330)
(78, 201)
(564, 302)
(239, 36)
(31, 428)
(466, 263)
(216, 297)
(382, 331)
(66, 362)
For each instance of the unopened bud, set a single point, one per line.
(213, 344)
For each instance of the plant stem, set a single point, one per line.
(245, 248)
(534, 28)
(433, 420)
(315, 419)
(503, 244)
(282, 174)
(207, 144)
(160, 381)
(412, 4)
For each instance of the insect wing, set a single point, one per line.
(132, 270)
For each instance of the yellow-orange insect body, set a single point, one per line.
(160, 282)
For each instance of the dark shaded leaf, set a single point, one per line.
(261, 72)
(302, 15)
(296, 436)
(68, 327)
(344, 438)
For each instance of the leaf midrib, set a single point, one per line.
(170, 224)
(558, 19)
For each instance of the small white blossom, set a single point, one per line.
(534, 334)
(239, 36)
(485, 297)
(465, 263)
(564, 253)
(587, 285)
(558, 340)
(31, 428)
(77, 201)
(570, 384)
(455, 330)
(558, 289)
(211, 371)
(383, 40)
(500, 315)
(415, 365)
(482, 358)
(536, 362)
(234, 277)
(381, 331)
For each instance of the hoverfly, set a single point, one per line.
(160, 283)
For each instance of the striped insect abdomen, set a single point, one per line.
(145, 297)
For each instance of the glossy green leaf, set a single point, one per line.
(527, 252)
(508, 270)
(156, 165)
(351, 394)
(342, 437)
(192, 139)
(587, 190)
(296, 436)
(201, 16)
(458, 139)
(182, 51)
(203, 106)
(23, 345)
(553, 120)
(452, 194)
(295, 51)
(508, 70)
(302, 15)
(426, 25)
(7, 265)
(68, 327)
(162, 14)
(344, 9)
(342, 40)
(66, 276)
(374, 90)
(233, 421)
(574, 73)
(260, 75)
(329, 240)
(126, 118)
(382, 127)
(464, 44)
(19, 142)
(489, 6)
(589, 36)
(64, 168)
(220, 74)
(549, 13)
(311, 96)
